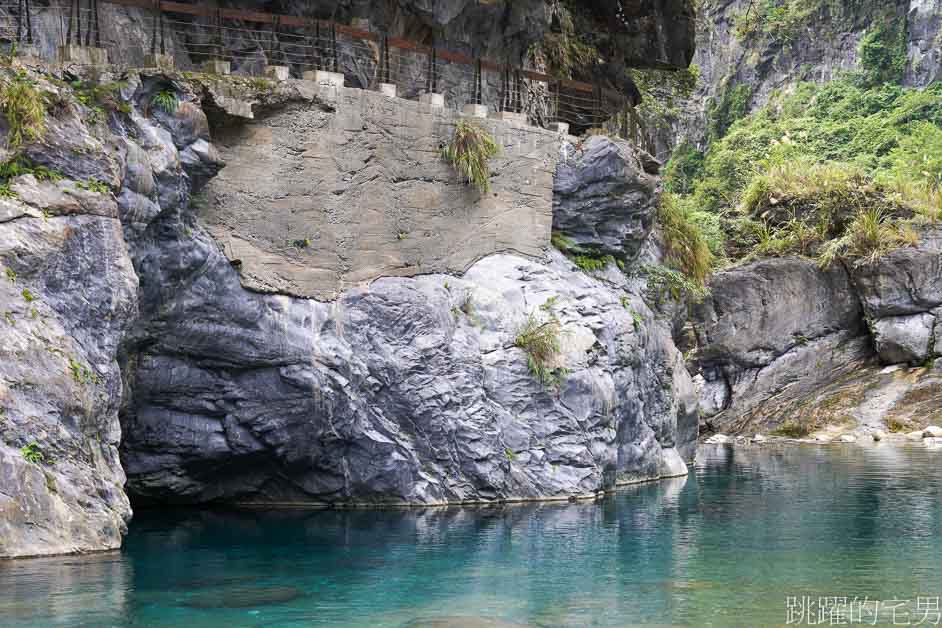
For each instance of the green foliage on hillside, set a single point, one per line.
(722, 112)
(841, 170)
(882, 53)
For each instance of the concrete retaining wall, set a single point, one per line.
(321, 195)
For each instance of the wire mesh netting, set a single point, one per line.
(194, 34)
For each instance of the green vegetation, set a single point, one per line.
(28, 296)
(24, 108)
(82, 374)
(563, 52)
(586, 260)
(732, 105)
(21, 165)
(685, 244)
(11, 275)
(589, 264)
(32, 453)
(469, 151)
(663, 92)
(94, 185)
(541, 341)
(166, 101)
(683, 168)
(666, 282)
(835, 171)
(882, 52)
(781, 20)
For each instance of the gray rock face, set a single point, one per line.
(411, 391)
(70, 292)
(758, 312)
(905, 281)
(604, 201)
(781, 340)
(904, 338)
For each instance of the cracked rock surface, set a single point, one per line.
(781, 340)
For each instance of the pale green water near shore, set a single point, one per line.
(724, 547)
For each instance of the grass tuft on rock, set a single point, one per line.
(166, 101)
(470, 149)
(685, 246)
(24, 108)
(541, 342)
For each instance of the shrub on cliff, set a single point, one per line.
(24, 108)
(468, 152)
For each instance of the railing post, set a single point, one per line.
(316, 57)
(24, 22)
(333, 46)
(556, 111)
(273, 42)
(478, 83)
(217, 35)
(384, 60)
(597, 106)
(97, 25)
(518, 91)
(432, 82)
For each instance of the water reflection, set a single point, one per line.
(723, 547)
(55, 588)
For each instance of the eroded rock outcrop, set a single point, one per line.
(407, 390)
(70, 293)
(604, 199)
(781, 340)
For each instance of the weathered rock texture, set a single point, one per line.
(334, 188)
(604, 200)
(781, 340)
(409, 390)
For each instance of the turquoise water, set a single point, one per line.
(726, 546)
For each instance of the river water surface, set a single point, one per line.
(752, 537)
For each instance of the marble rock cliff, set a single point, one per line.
(128, 328)
(782, 341)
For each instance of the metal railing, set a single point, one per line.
(194, 33)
